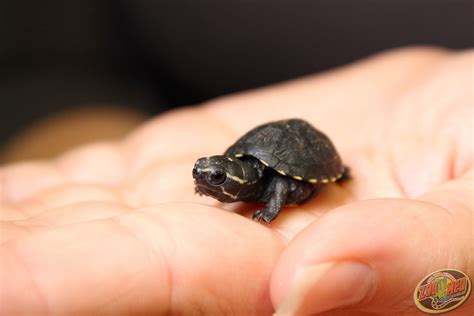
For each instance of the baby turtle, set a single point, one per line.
(278, 163)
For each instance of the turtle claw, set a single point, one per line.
(264, 215)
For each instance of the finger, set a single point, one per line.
(369, 256)
(61, 216)
(322, 99)
(187, 133)
(432, 126)
(175, 258)
(100, 164)
(21, 180)
(63, 195)
(340, 101)
(162, 182)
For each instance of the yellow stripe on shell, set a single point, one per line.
(238, 155)
(313, 180)
(333, 179)
(264, 162)
(298, 178)
(281, 172)
(325, 180)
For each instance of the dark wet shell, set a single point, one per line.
(292, 147)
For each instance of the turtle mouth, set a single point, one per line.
(218, 195)
(198, 189)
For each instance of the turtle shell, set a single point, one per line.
(293, 148)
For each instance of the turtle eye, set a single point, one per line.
(217, 177)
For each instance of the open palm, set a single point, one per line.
(116, 227)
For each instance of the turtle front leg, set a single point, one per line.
(276, 196)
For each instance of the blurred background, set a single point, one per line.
(75, 71)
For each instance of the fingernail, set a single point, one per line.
(327, 286)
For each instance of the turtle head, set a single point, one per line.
(222, 177)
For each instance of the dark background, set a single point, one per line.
(153, 55)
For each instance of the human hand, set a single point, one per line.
(116, 228)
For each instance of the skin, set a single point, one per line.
(116, 227)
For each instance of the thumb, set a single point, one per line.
(369, 256)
